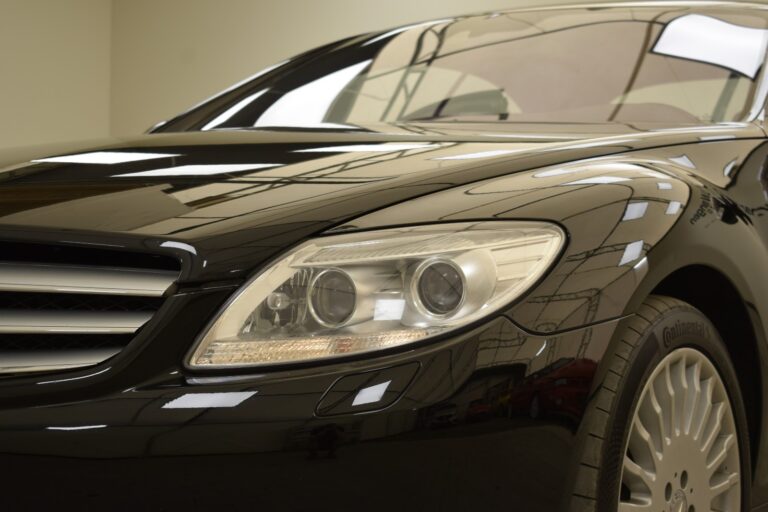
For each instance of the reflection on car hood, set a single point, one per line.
(275, 188)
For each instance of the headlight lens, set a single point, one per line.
(332, 297)
(367, 291)
(440, 287)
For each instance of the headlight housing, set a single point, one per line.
(366, 291)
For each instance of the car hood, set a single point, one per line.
(237, 198)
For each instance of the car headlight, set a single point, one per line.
(360, 292)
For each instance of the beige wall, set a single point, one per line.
(55, 70)
(74, 69)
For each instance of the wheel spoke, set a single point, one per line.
(693, 395)
(681, 395)
(672, 401)
(723, 484)
(659, 413)
(628, 506)
(642, 446)
(706, 411)
(651, 416)
(721, 452)
(634, 474)
(717, 422)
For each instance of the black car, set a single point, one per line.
(329, 287)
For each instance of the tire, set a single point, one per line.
(665, 333)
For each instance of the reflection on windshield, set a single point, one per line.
(233, 111)
(308, 105)
(641, 64)
(705, 39)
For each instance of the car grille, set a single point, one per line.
(69, 307)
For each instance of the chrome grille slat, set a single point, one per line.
(52, 360)
(53, 278)
(82, 322)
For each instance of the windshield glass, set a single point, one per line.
(672, 66)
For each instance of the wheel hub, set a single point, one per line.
(679, 502)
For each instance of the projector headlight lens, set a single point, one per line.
(367, 291)
(440, 287)
(332, 298)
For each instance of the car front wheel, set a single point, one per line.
(666, 428)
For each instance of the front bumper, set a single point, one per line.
(141, 432)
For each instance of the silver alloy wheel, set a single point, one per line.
(682, 454)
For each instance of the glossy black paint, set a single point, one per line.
(485, 419)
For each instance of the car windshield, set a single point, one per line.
(672, 66)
